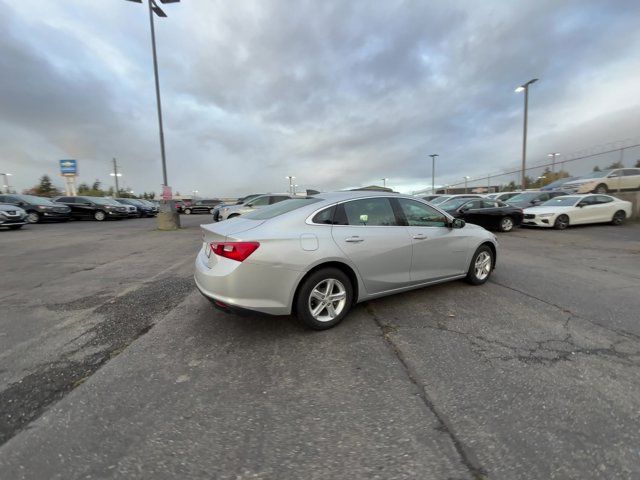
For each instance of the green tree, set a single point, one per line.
(96, 185)
(617, 164)
(46, 188)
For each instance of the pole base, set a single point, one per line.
(168, 219)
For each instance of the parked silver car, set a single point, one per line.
(318, 256)
(231, 211)
(12, 217)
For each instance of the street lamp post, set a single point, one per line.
(115, 175)
(5, 184)
(433, 172)
(553, 160)
(465, 183)
(525, 88)
(384, 182)
(195, 193)
(291, 178)
(168, 218)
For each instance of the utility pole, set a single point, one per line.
(433, 173)
(525, 88)
(115, 175)
(291, 179)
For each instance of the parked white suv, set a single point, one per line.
(605, 181)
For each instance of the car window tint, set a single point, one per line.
(260, 201)
(488, 204)
(325, 216)
(421, 215)
(603, 199)
(617, 173)
(279, 198)
(371, 212)
(473, 204)
(629, 172)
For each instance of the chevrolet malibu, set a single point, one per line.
(560, 212)
(318, 256)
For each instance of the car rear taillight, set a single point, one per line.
(238, 251)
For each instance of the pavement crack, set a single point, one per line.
(467, 457)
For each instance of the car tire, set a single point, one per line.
(33, 217)
(99, 215)
(481, 266)
(601, 189)
(618, 218)
(15, 227)
(311, 305)
(561, 223)
(506, 224)
(187, 211)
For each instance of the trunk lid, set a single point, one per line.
(226, 230)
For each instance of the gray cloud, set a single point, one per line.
(336, 93)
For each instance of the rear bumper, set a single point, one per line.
(246, 286)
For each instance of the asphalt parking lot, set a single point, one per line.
(112, 365)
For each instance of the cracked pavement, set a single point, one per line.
(533, 375)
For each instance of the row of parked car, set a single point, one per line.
(497, 211)
(19, 210)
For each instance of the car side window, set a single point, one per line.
(616, 173)
(591, 200)
(630, 172)
(260, 201)
(370, 212)
(544, 197)
(421, 215)
(473, 204)
(489, 204)
(603, 199)
(324, 216)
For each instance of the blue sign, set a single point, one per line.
(68, 168)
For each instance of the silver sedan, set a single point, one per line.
(318, 256)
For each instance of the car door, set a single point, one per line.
(604, 208)
(615, 180)
(586, 211)
(367, 231)
(69, 202)
(631, 178)
(438, 250)
(472, 212)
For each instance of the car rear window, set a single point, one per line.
(280, 208)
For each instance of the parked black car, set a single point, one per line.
(488, 213)
(532, 198)
(144, 210)
(38, 208)
(98, 208)
(201, 206)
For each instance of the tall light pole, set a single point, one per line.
(465, 183)
(5, 184)
(525, 88)
(553, 156)
(291, 179)
(115, 175)
(168, 218)
(193, 197)
(384, 182)
(433, 172)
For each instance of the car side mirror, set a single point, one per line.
(250, 205)
(458, 223)
(580, 205)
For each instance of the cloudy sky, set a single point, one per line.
(339, 93)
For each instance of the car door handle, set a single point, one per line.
(354, 239)
(419, 236)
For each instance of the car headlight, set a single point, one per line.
(546, 215)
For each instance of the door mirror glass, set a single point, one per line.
(458, 223)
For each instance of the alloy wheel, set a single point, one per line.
(618, 218)
(99, 215)
(327, 300)
(33, 217)
(483, 265)
(506, 225)
(561, 222)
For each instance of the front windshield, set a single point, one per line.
(524, 197)
(564, 201)
(104, 201)
(454, 203)
(33, 200)
(280, 208)
(439, 200)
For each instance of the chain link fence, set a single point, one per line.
(623, 153)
